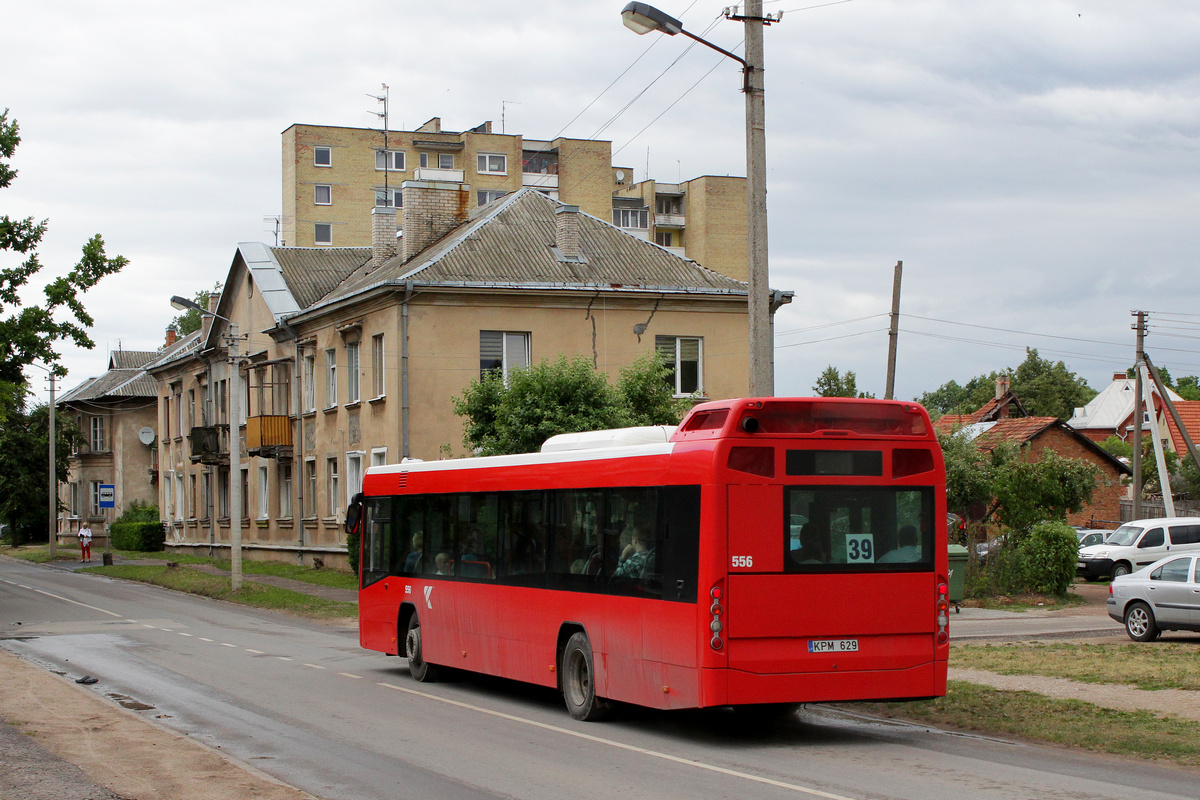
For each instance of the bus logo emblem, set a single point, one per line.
(428, 591)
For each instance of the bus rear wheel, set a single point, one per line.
(579, 681)
(421, 670)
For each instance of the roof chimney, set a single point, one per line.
(431, 210)
(1119, 376)
(172, 334)
(1002, 384)
(566, 232)
(383, 234)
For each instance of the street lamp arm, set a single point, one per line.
(720, 50)
(183, 304)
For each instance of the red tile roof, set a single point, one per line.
(1014, 429)
(1189, 413)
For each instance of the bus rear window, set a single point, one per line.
(855, 529)
(707, 420)
(834, 462)
(863, 418)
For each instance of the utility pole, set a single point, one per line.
(893, 333)
(235, 462)
(53, 480)
(1140, 327)
(762, 378)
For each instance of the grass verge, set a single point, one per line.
(1033, 716)
(1158, 665)
(258, 595)
(1024, 602)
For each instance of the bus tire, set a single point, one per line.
(421, 670)
(765, 715)
(579, 681)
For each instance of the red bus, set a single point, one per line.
(765, 553)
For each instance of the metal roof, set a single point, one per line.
(311, 273)
(130, 359)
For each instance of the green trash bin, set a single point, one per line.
(958, 573)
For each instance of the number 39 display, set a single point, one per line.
(860, 548)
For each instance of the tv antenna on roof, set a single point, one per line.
(387, 164)
(504, 103)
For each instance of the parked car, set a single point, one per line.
(1164, 596)
(1090, 536)
(1138, 544)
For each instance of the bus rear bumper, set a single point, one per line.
(735, 687)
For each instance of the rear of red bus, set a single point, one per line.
(823, 551)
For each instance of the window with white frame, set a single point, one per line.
(684, 356)
(330, 378)
(322, 194)
(264, 496)
(245, 498)
(180, 498)
(332, 496)
(443, 160)
(244, 387)
(322, 156)
(631, 218)
(323, 233)
(74, 509)
(391, 197)
(205, 495)
(354, 475)
(664, 238)
(378, 456)
(178, 411)
(310, 487)
(285, 491)
(94, 487)
(391, 160)
(168, 495)
(223, 493)
(191, 497)
(310, 381)
(377, 365)
(492, 163)
(485, 196)
(503, 351)
(352, 374)
(96, 439)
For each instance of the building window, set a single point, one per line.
(285, 491)
(503, 351)
(352, 374)
(323, 233)
(264, 497)
(683, 355)
(96, 440)
(310, 487)
(244, 511)
(94, 487)
(444, 160)
(539, 163)
(310, 381)
(392, 197)
(486, 196)
(392, 160)
(223, 493)
(191, 408)
(74, 509)
(378, 456)
(244, 388)
(206, 495)
(330, 378)
(191, 497)
(332, 497)
(354, 475)
(180, 499)
(377, 364)
(664, 238)
(323, 194)
(322, 157)
(668, 204)
(493, 163)
(168, 500)
(631, 218)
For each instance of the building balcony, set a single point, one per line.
(435, 174)
(269, 436)
(539, 180)
(207, 445)
(670, 220)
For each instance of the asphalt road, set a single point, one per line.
(304, 703)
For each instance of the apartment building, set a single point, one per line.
(351, 356)
(334, 176)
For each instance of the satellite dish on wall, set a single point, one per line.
(146, 435)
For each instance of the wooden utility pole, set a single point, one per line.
(1140, 327)
(893, 333)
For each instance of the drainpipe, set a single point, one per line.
(404, 449)
(214, 472)
(298, 447)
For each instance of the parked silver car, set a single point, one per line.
(1164, 596)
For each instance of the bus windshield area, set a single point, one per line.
(854, 529)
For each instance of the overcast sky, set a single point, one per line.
(1036, 165)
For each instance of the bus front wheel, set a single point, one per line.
(418, 667)
(579, 681)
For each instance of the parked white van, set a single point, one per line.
(1138, 544)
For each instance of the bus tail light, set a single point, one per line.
(943, 613)
(716, 626)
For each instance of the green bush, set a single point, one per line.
(139, 511)
(147, 537)
(1046, 557)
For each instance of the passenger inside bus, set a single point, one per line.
(634, 558)
(814, 545)
(413, 562)
(907, 551)
(445, 565)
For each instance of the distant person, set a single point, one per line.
(85, 543)
(443, 563)
(413, 562)
(908, 551)
(633, 559)
(813, 546)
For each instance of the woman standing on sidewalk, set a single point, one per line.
(85, 542)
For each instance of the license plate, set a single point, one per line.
(833, 645)
(1080, 564)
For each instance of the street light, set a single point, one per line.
(642, 18)
(235, 444)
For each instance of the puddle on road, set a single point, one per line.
(130, 703)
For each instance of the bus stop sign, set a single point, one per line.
(108, 495)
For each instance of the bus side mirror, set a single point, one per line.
(354, 513)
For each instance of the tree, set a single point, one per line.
(30, 333)
(1045, 389)
(833, 383)
(25, 468)
(518, 412)
(1188, 387)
